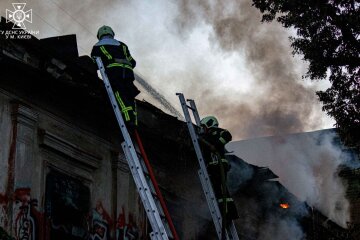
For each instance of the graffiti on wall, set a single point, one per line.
(26, 218)
(3, 214)
(28, 223)
(101, 223)
(24, 222)
(126, 230)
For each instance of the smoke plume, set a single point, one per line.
(276, 102)
(281, 229)
(307, 165)
(164, 39)
(258, 202)
(279, 102)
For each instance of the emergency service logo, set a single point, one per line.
(19, 16)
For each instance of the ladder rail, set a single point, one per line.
(152, 212)
(205, 180)
(192, 133)
(195, 111)
(211, 202)
(156, 186)
(230, 233)
(143, 195)
(213, 205)
(233, 231)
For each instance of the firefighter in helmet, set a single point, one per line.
(212, 140)
(119, 65)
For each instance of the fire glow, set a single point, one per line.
(284, 205)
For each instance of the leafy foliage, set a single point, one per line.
(328, 38)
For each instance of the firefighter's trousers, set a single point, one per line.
(125, 93)
(217, 169)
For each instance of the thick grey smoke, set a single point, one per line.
(281, 229)
(280, 103)
(258, 205)
(307, 165)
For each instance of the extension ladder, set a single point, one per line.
(230, 231)
(154, 204)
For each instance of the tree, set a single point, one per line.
(328, 38)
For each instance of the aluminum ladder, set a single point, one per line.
(230, 232)
(157, 213)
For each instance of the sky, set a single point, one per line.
(215, 52)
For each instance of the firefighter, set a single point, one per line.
(119, 65)
(213, 140)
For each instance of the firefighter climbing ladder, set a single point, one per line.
(230, 232)
(157, 213)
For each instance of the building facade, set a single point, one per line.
(63, 174)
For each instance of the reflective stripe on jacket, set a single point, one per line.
(113, 53)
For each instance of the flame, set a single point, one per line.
(284, 205)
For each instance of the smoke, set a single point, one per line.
(216, 52)
(281, 229)
(258, 202)
(307, 165)
(158, 96)
(278, 102)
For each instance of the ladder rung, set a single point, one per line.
(158, 204)
(167, 229)
(143, 166)
(231, 233)
(189, 107)
(161, 211)
(139, 172)
(152, 188)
